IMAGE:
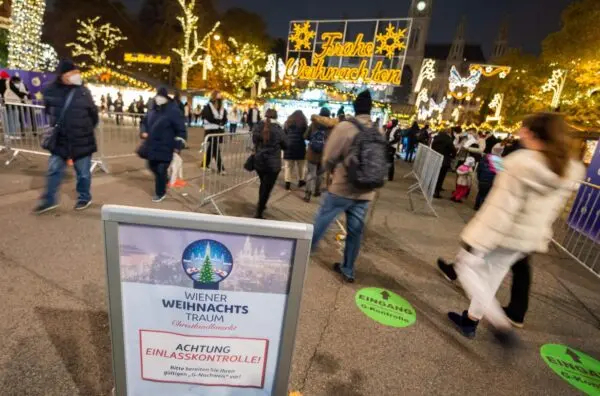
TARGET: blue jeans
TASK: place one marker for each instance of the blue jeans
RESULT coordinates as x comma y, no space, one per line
56,172
356,211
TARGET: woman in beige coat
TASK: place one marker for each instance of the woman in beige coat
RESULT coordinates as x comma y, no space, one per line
516,219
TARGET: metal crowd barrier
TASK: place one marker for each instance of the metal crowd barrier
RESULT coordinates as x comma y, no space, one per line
231,150
23,126
426,170
117,136
577,231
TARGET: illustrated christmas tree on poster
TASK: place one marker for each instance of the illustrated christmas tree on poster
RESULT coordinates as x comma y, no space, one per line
207,271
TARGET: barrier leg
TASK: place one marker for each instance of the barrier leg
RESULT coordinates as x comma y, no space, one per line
214,204
12,157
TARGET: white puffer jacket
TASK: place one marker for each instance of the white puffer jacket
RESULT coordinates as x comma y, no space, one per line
524,202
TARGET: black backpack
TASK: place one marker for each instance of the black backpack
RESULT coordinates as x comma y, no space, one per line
366,163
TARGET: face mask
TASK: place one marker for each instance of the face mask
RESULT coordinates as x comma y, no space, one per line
75,79
160,100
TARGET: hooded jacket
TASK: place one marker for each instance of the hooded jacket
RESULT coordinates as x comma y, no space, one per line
524,202
317,123
165,126
267,157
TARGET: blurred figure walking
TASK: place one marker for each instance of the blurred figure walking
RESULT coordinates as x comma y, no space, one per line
443,143
316,137
215,119
74,115
269,139
516,219
355,152
163,129
295,128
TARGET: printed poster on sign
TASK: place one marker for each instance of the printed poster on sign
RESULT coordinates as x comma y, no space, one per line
202,311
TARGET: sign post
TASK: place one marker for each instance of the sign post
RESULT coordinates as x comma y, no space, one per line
202,304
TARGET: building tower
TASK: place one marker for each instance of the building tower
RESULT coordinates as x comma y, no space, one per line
457,50
420,11
501,43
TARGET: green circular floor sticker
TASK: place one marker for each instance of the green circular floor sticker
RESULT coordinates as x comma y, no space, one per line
385,307
577,368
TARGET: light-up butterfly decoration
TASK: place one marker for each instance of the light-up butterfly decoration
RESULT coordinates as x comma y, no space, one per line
456,81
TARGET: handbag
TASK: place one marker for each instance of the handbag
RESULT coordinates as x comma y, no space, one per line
50,136
249,164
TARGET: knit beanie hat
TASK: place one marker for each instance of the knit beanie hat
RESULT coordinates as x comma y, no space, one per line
162,91
363,103
65,66
325,112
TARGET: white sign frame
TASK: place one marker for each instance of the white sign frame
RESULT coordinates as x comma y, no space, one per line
113,216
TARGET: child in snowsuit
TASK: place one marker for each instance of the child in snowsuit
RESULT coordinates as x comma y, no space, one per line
463,181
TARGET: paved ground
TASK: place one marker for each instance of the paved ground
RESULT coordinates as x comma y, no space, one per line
54,327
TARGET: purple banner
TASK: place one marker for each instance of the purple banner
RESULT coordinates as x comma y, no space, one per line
35,82
585,212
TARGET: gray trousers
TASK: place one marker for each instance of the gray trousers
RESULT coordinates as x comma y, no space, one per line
313,178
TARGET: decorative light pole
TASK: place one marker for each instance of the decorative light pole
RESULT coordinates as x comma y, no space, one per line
556,84
427,73
496,104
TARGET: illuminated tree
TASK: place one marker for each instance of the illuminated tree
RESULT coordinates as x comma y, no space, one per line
190,51
576,48
95,40
49,58
521,87
235,67
24,50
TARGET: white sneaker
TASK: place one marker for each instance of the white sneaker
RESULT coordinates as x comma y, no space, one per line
157,199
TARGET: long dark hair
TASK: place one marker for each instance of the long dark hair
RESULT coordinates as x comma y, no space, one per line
270,114
297,119
551,129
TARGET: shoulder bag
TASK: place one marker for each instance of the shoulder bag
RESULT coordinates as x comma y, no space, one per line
50,136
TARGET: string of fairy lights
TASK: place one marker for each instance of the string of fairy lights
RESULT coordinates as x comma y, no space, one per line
25,47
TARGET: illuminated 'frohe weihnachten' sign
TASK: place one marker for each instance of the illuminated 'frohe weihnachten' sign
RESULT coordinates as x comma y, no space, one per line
329,56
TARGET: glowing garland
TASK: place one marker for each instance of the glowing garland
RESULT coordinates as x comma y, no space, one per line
103,75
95,41
24,49
272,66
422,97
492,70
427,73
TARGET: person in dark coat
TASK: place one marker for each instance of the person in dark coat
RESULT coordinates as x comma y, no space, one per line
163,127
490,142
488,168
443,144
253,117
269,139
411,142
75,138
215,119
393,137
295,128
317,134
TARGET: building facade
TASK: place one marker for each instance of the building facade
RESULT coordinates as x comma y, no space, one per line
458,55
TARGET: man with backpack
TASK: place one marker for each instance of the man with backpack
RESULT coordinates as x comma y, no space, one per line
316,136
356,154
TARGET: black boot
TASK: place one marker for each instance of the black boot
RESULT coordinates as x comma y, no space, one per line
465,325
288,186
307,196
301,183
447,270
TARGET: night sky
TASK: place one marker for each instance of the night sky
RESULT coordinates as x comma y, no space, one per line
530,20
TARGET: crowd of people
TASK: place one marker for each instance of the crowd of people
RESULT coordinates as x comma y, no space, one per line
522,184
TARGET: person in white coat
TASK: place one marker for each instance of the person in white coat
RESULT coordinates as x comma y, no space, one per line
515,220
